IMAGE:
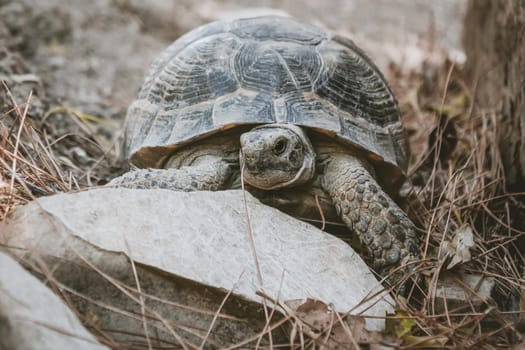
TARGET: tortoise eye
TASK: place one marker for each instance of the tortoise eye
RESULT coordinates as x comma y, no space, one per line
279,147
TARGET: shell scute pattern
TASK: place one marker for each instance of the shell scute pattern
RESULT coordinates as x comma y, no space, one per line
198,74
265,70
355,87
278,29
244,106
276,70
174,49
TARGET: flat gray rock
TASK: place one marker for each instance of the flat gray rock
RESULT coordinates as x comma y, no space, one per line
177,239
32,317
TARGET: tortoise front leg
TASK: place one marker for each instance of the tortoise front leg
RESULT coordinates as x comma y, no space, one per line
387,232
211,175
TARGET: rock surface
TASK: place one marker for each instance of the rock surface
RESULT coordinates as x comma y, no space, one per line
32,317
189,248
463,290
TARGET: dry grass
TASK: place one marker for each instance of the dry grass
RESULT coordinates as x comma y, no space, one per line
28,168
457,182
40,157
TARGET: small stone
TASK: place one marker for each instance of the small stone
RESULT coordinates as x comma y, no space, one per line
460,289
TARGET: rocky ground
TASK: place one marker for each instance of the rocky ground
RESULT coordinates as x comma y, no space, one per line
69,69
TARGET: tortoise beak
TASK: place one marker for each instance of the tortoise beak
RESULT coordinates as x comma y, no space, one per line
250,149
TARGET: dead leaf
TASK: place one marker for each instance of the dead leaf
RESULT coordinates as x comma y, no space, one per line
316,314
459,248
426,342
402,326
331,330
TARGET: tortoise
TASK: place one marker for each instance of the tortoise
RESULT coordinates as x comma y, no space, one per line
299,114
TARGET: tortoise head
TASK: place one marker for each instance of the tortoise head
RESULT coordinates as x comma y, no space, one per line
274,156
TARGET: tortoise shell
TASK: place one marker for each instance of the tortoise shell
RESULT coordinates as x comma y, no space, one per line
264,70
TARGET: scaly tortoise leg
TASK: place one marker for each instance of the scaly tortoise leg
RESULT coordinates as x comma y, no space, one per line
211,175
387,232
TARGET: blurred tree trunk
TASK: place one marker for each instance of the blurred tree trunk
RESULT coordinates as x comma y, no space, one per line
494,40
